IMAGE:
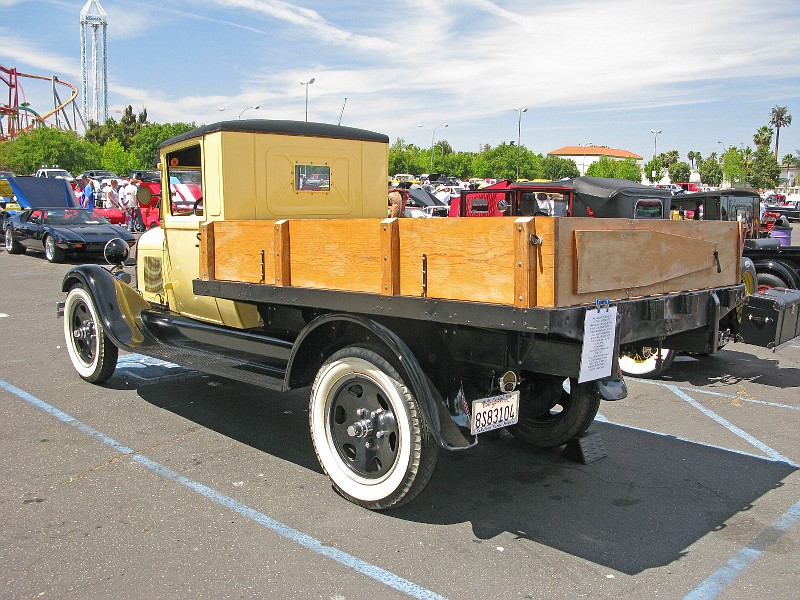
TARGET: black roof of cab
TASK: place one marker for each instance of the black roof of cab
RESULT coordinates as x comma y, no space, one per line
324,130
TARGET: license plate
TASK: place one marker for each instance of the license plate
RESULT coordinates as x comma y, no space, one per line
495,412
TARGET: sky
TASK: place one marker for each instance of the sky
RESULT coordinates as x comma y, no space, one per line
707,73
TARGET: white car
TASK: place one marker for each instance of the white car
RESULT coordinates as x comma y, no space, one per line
55,173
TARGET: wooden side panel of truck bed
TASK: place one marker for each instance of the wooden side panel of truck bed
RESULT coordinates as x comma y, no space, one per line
525,262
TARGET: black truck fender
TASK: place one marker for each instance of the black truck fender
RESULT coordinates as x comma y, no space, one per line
118,305
787,271
314,344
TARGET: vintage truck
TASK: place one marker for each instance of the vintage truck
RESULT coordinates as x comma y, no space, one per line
413,334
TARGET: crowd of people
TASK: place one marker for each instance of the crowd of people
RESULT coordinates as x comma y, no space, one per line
113,193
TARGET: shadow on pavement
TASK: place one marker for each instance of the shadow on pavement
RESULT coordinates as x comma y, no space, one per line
638,508
732,367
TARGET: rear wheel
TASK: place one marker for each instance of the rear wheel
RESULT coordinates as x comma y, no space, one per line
646,361
550,415
368,431
93,355
52,252
12,245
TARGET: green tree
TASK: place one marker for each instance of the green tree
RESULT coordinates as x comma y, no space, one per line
115,158
628,169
617,169
100,134
48,146
764,169
130,125
710,171
668,158
144,146
654,170
733,168
779,117
762,137
555,168
679,171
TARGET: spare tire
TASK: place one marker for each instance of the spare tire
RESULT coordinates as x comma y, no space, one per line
144,196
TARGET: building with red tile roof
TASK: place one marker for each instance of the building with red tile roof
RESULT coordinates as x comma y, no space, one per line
586,155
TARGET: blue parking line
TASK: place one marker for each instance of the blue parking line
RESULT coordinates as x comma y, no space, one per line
602,419
730,426
377,573
719,394
727,574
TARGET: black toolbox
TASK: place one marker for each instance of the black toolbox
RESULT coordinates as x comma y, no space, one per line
771,318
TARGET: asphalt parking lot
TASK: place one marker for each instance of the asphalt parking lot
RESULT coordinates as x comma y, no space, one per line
167,483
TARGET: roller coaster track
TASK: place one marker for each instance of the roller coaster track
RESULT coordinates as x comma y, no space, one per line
14,110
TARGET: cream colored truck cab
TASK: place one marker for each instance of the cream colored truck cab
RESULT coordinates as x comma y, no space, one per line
244,170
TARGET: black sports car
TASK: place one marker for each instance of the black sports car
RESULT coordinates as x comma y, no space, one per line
58,231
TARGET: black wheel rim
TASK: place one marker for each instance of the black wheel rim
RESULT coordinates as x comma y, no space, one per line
363,428
83,333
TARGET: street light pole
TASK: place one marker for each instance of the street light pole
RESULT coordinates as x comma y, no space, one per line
433,134
655,133
583,160
307,83
254,107
519,132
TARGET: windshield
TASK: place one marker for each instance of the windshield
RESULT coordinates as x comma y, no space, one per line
73,216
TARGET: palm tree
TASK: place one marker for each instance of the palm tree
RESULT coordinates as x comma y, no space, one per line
763,137
779,117
691,157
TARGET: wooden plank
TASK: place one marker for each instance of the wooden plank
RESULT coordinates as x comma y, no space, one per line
546,272
478,260
525,262
282,258
341,254
207,247
466,259
604,259
390,256
636,261
238,248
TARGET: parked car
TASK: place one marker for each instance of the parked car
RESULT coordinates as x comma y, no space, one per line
52,221
54,173
100,174
60,231
421,203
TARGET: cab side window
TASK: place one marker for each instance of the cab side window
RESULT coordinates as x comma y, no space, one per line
184,181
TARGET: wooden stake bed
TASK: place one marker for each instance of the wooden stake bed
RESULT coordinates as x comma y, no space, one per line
526,262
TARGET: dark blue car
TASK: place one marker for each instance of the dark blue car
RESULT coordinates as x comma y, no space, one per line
52,221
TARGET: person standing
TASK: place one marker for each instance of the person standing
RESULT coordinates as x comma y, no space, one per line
110,195
87,198
135,221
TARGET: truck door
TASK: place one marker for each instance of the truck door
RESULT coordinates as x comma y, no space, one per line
181,217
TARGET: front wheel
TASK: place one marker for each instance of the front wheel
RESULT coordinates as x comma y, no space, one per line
368,431
550,415
93,355
646,361
52,252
